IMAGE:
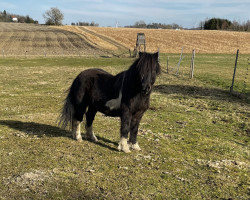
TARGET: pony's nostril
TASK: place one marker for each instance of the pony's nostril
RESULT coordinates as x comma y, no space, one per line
147,89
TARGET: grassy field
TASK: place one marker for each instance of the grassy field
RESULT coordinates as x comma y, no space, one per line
194,137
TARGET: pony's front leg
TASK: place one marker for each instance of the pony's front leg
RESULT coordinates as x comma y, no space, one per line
133,133
90,134
76,130
125,127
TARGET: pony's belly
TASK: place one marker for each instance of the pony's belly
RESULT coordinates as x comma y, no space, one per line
111,113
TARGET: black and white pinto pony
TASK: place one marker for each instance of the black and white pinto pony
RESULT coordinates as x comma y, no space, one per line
125,95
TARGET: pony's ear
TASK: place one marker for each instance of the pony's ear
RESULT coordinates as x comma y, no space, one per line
156,55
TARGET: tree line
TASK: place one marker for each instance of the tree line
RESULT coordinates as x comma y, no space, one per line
208,24
142,24
8,17
224,24
85,24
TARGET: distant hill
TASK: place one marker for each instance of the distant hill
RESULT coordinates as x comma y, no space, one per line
171,41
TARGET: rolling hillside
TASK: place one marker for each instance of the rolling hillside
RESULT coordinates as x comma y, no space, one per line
38,40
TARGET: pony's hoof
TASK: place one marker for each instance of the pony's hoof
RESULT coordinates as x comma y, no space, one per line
92,138
135,146
123,145
124,148
79,139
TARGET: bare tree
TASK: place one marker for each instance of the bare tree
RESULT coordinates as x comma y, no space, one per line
53,17
140,24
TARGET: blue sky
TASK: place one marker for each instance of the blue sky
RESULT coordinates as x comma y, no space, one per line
187,13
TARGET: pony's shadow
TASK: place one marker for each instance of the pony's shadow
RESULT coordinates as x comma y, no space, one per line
202,92
41,130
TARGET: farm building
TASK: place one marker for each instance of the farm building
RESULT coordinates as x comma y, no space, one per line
14,19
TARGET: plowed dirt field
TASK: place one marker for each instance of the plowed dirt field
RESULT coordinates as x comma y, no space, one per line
37,40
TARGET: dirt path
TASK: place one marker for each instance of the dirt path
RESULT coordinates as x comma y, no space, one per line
111,41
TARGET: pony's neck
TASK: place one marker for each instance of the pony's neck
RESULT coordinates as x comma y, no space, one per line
118,81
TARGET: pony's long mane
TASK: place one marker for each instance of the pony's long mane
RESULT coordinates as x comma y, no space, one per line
143,66
146,63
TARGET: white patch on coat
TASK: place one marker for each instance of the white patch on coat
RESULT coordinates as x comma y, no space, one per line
114,103
76,129
123,145
90,134
135,146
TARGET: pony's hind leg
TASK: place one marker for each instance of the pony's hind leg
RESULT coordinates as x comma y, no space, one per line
76,130
76,122
90,116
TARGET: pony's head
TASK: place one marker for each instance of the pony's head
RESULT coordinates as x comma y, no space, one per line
148,68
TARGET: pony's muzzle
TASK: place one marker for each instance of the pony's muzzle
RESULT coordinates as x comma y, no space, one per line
147,89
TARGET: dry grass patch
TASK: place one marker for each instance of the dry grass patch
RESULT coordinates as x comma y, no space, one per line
171,41
93,39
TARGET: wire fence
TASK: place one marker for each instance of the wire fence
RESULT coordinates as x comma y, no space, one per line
208,67
215,69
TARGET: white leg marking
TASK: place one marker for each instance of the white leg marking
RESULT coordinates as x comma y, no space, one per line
114,103
77,130
123,145
90,135
135,146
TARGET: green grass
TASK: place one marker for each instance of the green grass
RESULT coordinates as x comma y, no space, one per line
194,137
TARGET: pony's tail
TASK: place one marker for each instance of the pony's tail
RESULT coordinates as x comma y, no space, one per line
66,116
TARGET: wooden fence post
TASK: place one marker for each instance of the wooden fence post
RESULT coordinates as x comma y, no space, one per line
235,66
179,63
192,64
167,64
246,76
